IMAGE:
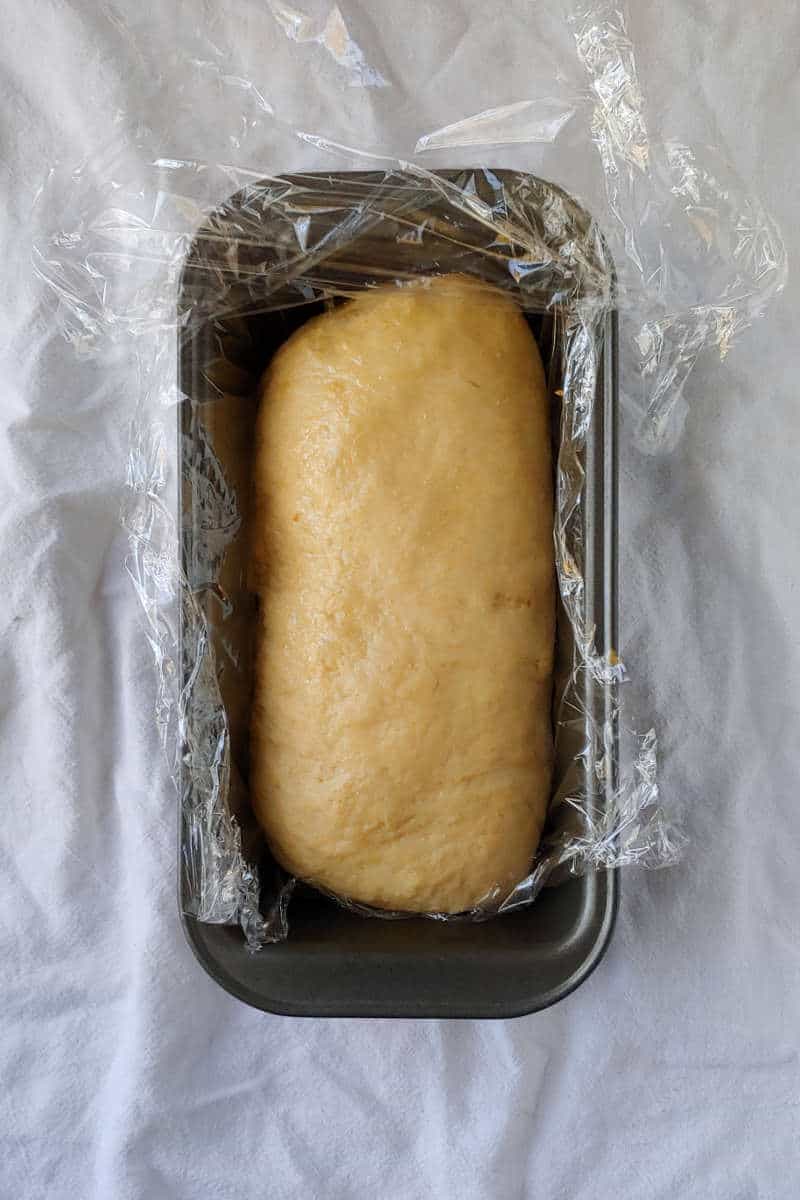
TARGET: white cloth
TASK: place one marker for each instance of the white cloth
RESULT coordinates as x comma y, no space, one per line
126,1073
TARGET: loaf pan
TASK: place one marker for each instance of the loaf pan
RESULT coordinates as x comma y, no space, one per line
336,962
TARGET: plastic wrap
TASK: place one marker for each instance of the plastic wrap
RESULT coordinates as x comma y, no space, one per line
152,253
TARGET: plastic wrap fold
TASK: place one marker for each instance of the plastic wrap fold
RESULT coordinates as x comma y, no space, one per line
174,260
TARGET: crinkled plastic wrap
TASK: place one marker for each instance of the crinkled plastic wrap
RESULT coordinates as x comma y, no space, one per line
559,197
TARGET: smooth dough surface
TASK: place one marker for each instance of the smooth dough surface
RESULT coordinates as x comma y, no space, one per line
401,729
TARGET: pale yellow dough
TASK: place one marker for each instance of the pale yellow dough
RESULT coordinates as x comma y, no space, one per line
401,730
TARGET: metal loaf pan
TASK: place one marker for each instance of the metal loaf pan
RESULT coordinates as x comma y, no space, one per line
336,962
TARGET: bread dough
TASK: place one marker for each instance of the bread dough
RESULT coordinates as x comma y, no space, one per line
401,729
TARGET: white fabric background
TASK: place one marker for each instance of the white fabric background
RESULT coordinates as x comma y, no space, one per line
126,1073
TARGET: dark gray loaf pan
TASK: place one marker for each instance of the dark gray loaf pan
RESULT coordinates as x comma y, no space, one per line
336,962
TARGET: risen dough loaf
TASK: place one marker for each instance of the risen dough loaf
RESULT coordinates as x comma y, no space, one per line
401,737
